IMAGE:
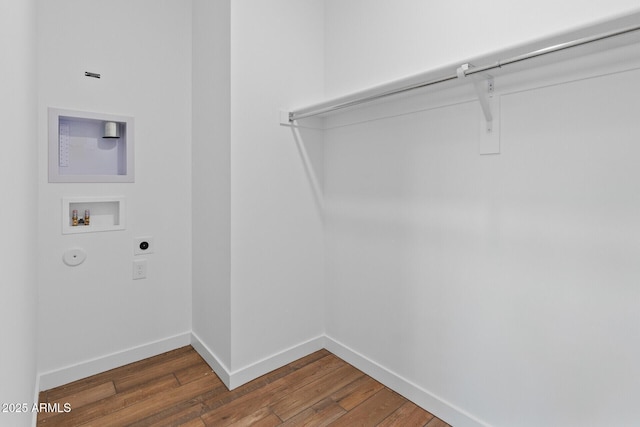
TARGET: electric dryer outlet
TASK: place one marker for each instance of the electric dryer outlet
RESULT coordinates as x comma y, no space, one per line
143,245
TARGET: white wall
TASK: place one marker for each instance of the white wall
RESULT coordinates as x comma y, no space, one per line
368,43
258,258
276,223
211,177
502,286
18,171
143,51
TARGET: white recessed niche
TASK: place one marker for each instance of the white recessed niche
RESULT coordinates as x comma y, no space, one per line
90,147
104,214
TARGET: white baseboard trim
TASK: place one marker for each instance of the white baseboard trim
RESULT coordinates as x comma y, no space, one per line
85,369
268,364
421,397
234,379
36,399
212,360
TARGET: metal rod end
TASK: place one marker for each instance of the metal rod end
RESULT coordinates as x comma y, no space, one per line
90,74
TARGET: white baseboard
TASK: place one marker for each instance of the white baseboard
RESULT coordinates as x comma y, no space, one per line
36,399
233,379
85,369
421,397
212,360
268,364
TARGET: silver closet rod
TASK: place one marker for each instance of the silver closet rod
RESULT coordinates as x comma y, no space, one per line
309,112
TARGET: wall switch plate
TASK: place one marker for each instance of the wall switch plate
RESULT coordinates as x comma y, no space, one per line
139,269
143,245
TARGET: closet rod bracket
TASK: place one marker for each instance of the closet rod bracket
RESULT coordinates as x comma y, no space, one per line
286,118
485,90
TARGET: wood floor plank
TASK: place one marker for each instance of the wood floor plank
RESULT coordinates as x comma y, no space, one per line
250,387
372,411
113,374
274,376
321,414
80,399
42,396
437,422
244,406
316,355
143,375
184,410
197,422
110,404
306,396
193,372
270,421
229,412
147,407
408,415
262,416
176,415
357,392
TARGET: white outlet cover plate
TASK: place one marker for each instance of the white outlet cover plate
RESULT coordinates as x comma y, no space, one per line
139,269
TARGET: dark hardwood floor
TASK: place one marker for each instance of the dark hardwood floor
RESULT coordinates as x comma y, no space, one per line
179,389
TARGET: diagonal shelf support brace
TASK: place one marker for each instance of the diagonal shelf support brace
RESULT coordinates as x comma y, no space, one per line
484,89
490,104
